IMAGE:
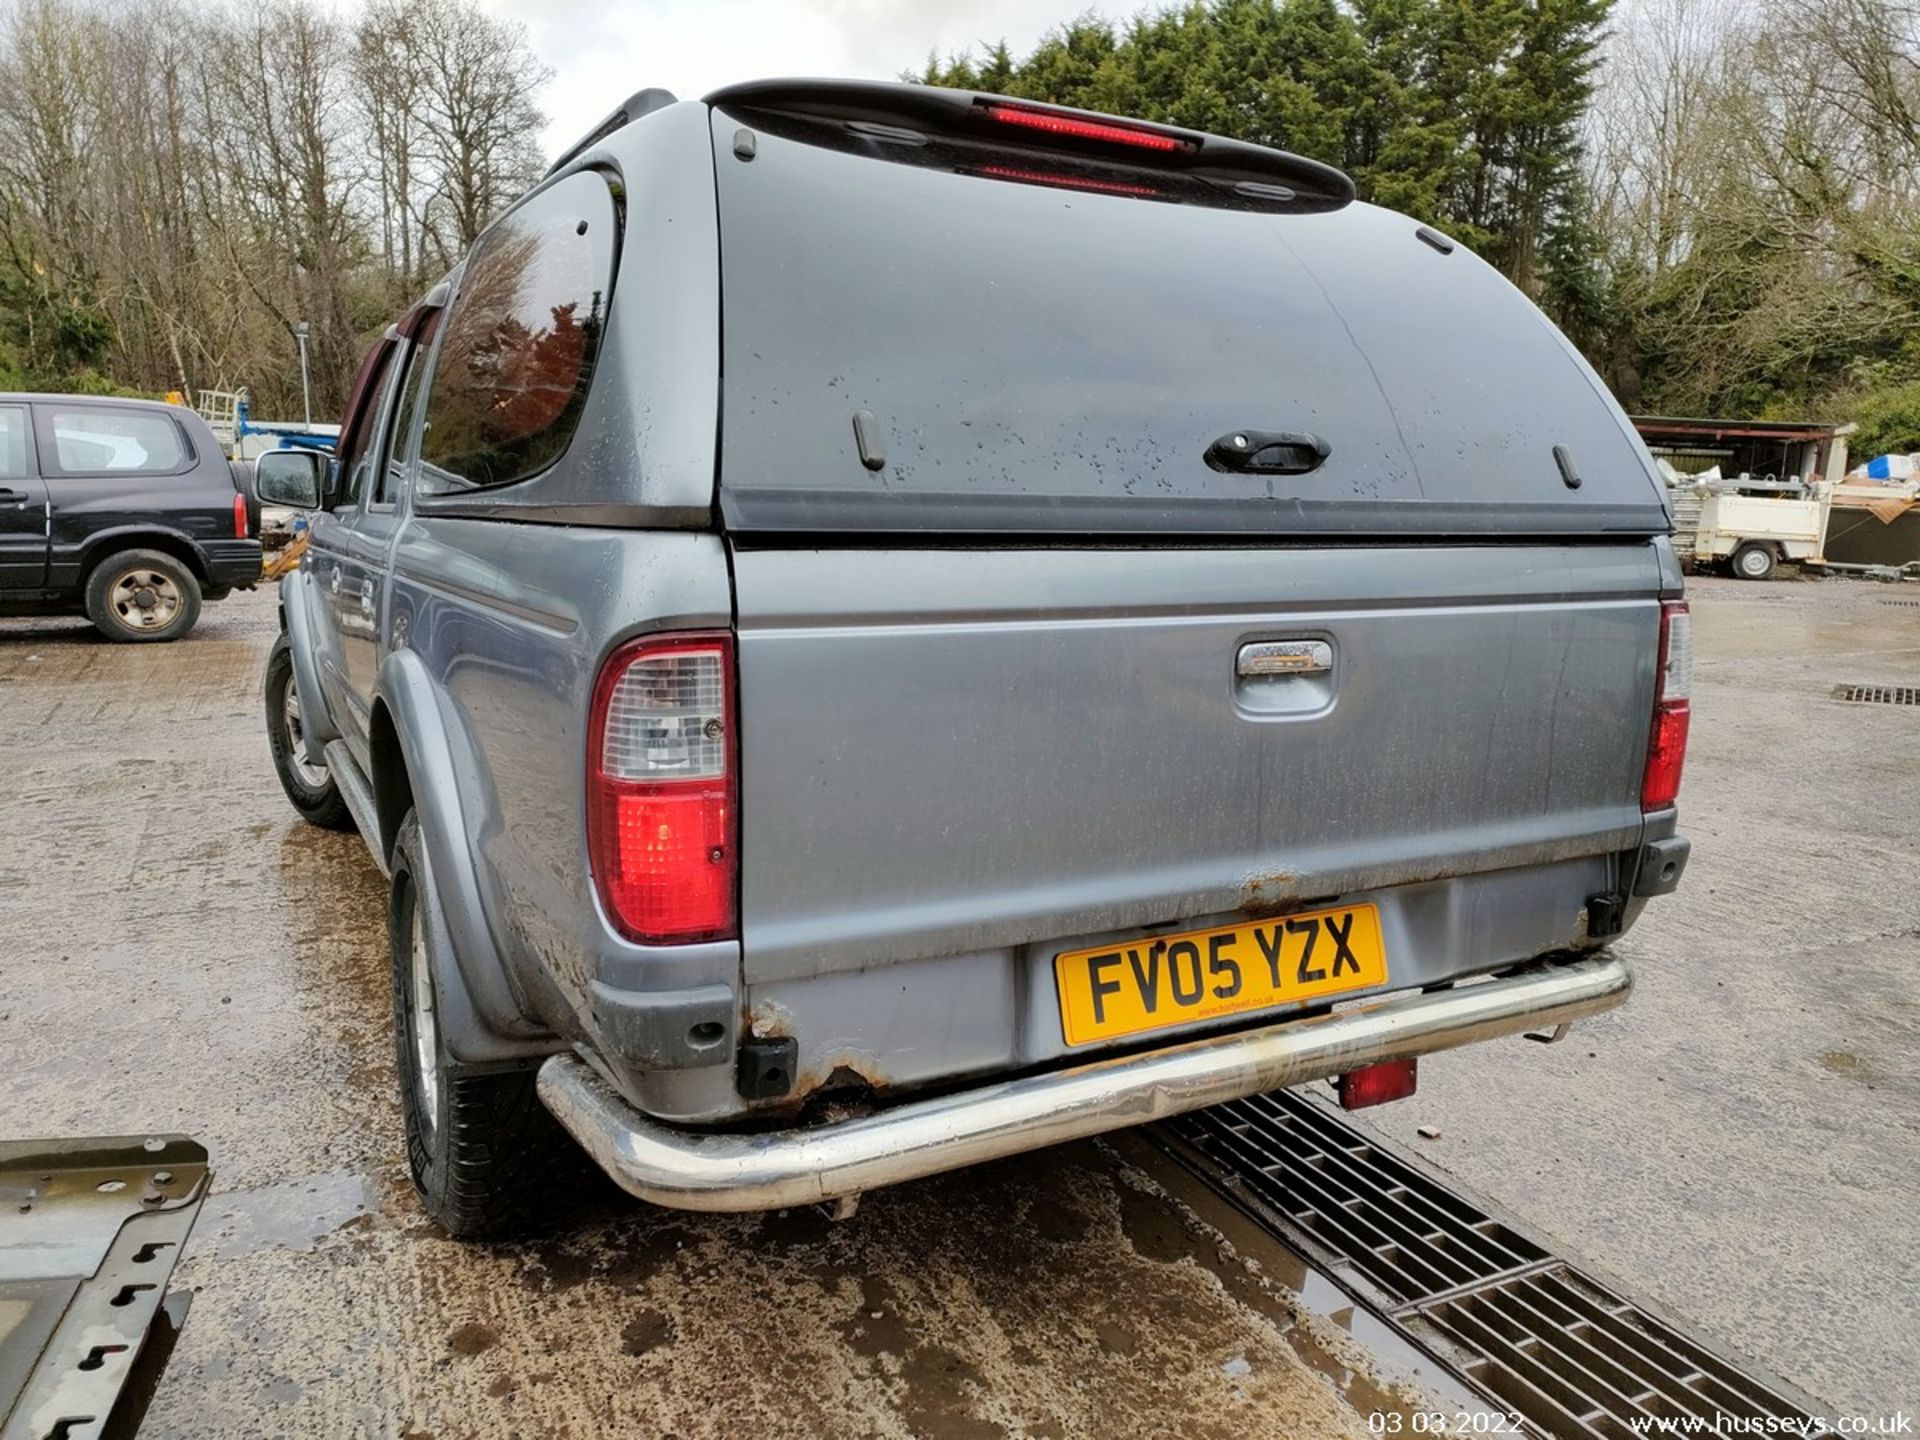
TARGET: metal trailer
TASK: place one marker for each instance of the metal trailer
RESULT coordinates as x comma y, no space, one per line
1753,533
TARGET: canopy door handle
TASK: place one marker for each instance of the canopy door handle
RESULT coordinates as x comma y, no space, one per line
1269,452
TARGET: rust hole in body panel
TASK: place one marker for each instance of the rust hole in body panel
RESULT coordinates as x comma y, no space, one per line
844,1093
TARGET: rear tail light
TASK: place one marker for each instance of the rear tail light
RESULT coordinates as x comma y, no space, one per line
661,813
1672,709
1377,1084
1065,125
239,517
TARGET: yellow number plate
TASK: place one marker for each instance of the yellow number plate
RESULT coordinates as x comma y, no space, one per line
1138,985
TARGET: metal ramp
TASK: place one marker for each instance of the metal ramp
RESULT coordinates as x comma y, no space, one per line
1538,1336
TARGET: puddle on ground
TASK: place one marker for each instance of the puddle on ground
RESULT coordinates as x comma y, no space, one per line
289,1215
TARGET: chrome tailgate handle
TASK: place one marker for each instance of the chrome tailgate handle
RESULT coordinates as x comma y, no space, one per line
1285,657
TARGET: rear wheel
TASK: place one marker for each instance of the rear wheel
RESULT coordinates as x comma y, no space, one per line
486,1155
1754,562
142,595
309,786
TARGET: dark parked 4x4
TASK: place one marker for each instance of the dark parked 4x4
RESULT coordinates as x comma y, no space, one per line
124,508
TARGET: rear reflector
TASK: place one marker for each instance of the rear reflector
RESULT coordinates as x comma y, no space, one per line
1377,1084
1075,127
661,815
1672,710
239,517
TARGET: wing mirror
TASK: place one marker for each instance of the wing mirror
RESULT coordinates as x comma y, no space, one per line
293,478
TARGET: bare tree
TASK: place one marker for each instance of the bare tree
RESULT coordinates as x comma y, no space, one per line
178,187
478,118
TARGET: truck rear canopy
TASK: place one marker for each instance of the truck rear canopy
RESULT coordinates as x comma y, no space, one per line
925,332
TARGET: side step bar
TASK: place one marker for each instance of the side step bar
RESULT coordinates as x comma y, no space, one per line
714,1170
358,793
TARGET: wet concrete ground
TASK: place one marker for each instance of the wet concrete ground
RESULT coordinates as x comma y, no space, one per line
1741,1142
1738,1144
179,953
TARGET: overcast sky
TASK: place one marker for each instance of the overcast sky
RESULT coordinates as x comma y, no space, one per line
601,53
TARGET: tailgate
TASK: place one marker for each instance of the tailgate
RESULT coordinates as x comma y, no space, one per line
946,751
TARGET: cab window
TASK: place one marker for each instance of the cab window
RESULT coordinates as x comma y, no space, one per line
357,459
400,446
13,443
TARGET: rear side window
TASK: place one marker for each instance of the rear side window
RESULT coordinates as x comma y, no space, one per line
96,440
516,362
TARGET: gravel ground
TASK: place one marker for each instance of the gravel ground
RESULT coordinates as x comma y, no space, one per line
1740,1141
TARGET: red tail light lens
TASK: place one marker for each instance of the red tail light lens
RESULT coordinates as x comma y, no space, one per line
1672,709
1075,127
1377,1084
239,517
661,810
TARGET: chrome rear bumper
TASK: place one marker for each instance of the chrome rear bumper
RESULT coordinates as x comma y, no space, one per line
712,1170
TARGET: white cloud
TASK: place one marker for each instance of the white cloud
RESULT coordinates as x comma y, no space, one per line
601,54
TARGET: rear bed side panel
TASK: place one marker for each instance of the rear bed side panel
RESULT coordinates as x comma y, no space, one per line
514,622
957,751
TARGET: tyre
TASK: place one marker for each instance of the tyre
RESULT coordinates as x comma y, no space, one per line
1754,562
487,1157
308,786
141,596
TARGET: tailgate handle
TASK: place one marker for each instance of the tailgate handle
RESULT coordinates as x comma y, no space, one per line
1286,657
1268,452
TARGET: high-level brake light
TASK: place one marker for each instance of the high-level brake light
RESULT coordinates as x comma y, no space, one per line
662,825
1075,127
1069,182
1672,709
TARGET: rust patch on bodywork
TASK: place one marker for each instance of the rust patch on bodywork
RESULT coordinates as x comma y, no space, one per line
1271,893
769,1020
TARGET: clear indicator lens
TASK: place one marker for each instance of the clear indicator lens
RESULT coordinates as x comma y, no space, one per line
1676,681
666,719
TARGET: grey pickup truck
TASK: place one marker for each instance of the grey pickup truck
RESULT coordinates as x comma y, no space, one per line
874,628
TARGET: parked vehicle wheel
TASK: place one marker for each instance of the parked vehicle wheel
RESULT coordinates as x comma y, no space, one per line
142,595
308,786
485,1153
1754,562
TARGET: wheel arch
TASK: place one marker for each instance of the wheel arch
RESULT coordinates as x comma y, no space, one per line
103,547
410,756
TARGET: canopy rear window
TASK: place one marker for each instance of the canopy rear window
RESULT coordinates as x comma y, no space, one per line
932,334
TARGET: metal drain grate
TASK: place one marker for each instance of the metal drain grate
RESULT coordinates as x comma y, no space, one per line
1878,694
1576,1359
1374,1216
1565,1352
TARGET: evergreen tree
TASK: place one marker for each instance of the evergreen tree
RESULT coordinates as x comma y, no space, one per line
1464,113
